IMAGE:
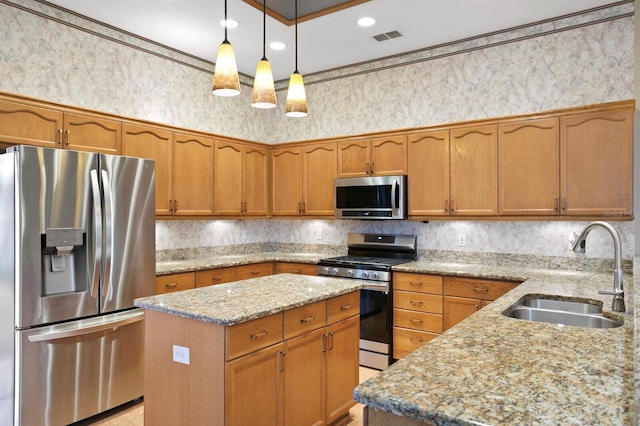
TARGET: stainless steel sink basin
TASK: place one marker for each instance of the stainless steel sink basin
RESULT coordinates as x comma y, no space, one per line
563,305
566,312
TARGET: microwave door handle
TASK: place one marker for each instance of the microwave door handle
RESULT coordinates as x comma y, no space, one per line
97,243
394,204
108,224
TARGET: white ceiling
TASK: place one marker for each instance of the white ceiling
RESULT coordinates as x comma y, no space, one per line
330,41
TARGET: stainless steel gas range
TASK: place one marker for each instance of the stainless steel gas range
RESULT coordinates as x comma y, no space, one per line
370,258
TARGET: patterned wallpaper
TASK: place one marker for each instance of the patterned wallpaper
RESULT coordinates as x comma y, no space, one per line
582,59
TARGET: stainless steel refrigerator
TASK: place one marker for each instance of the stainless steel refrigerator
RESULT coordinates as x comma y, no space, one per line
77,246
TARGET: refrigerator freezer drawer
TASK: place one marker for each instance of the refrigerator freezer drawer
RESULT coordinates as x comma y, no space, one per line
72,371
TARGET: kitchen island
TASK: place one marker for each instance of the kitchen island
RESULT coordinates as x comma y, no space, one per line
491,369
277,349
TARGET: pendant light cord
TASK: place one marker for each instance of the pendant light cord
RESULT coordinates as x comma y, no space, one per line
296,9
264,30
226,23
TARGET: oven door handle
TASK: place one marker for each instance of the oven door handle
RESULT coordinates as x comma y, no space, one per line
376,286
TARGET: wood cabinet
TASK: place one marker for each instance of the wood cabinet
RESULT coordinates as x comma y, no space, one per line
428,174
154,143
254,270
295,268
216,276
303,180
596,163
53,128
474,171
529,153
192,175
175,282
417,311
369,157
465,296
240,179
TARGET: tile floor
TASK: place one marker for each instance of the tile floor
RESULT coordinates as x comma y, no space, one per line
133,414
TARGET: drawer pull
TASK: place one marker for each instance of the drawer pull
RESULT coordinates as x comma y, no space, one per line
415,321
415,283
296,271
481,290
255,272
218,278
416,339
259,335
171,285
416,302
308,319
345,307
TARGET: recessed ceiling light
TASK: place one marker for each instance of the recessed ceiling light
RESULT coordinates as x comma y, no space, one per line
366,21
231,23
277,45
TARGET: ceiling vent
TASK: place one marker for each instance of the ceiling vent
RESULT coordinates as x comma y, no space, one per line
387,36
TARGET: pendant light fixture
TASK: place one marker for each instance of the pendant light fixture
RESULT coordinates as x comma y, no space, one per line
225,77
296,105
264,91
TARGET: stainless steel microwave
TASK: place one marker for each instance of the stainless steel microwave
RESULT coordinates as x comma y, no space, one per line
375,197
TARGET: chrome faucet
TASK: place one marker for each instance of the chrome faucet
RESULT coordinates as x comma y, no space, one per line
618,292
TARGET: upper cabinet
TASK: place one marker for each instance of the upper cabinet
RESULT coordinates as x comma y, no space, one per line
303,180
428,177
192,175
529,153
32,125
596,163
371,157
241,176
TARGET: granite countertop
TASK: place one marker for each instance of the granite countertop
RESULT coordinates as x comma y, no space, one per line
241,301
187,265
491,369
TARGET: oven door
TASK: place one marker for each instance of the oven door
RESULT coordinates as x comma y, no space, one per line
375,326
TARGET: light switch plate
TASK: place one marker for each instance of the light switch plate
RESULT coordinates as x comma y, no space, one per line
181,354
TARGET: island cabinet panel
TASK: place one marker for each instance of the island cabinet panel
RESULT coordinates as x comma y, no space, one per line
253,335
153,143
306,318
342,307
175,282
254,270
215,276
529,171
192,175
474,171
295,268
428,173
596,163
177,393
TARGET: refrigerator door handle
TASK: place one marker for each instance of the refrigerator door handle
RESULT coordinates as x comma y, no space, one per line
136,316
97,220
108,224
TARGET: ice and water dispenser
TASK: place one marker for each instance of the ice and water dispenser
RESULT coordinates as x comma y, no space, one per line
64,260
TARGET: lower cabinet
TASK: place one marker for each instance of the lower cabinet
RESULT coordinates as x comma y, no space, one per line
254,270
175,282
296,268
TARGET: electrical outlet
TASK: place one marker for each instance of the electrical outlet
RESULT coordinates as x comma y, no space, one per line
319,234
573,237
181,355
243,232
462,239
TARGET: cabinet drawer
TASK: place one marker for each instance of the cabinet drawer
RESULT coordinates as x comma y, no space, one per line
215,276
475,288
306,318
253,271
406,341
417,301
296,268
417,282
253,335
417,320
341,307
175,282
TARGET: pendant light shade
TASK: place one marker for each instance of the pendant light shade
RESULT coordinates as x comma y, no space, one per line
296,105
264,91
225,76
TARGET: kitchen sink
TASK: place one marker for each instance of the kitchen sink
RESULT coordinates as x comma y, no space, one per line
566,312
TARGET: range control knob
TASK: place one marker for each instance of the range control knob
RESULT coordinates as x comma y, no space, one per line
325,270
349,273
334,271
375,275
365,274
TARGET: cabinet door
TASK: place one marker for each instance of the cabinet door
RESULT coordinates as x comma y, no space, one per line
474,171
342,357
254,181
175,282
215,276
192,175
287,181
255,270
389,156
428,177
253,388
458,308
30,125
228,178
320,170
529,154
304,378
87,133
597,163
153,143
353,158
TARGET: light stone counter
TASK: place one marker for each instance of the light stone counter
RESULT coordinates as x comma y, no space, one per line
491,369
241,301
